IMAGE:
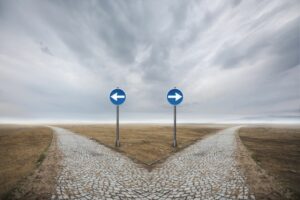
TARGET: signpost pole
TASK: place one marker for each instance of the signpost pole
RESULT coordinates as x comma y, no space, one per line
174,129
174,97
117,128
117,97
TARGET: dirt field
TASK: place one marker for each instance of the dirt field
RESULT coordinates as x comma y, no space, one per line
277,151
146,144
22,149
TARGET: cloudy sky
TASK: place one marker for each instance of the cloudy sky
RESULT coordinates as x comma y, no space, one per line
232,59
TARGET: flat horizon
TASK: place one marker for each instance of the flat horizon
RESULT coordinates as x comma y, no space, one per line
295,121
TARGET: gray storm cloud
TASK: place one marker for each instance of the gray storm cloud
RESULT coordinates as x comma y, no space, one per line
232,59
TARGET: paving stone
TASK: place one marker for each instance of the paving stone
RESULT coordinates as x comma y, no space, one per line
205,170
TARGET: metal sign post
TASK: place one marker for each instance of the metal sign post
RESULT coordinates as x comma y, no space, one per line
174,97
117,97
117,143
174,129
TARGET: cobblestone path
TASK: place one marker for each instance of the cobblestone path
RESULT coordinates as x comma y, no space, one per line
206,170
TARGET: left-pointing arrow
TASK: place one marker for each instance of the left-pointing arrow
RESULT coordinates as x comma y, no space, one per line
115,96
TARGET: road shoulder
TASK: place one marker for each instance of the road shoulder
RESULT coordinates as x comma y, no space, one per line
41,183
263,185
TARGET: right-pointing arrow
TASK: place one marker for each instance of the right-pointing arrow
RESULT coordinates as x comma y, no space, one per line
176,96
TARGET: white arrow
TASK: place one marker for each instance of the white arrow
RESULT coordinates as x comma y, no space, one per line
176,96
115,96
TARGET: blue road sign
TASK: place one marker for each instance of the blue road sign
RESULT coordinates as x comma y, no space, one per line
117,96
175,97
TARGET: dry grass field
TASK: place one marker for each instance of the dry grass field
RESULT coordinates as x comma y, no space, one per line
277,151
22,149
146,144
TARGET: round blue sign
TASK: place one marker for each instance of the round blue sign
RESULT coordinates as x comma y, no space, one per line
117,96
175,97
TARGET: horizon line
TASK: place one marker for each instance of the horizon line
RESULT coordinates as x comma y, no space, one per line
245,121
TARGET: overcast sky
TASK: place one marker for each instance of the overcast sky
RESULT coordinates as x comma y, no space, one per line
232,59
